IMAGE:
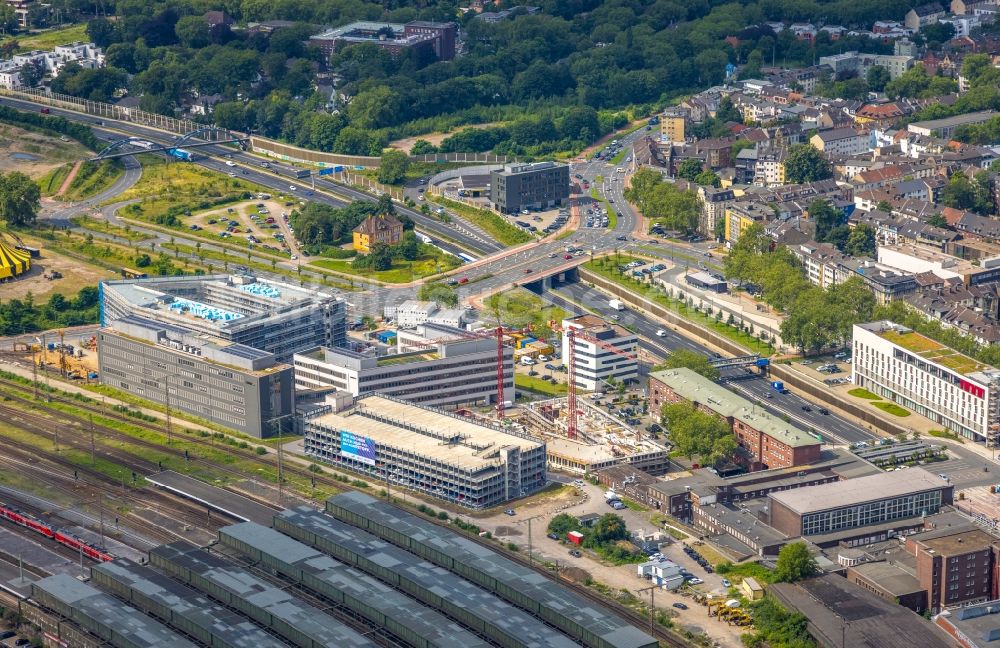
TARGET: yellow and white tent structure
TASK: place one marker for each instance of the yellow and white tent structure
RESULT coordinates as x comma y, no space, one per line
13,262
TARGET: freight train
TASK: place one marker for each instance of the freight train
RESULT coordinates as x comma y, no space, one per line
62,537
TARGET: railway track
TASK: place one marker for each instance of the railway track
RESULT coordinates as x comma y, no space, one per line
667,638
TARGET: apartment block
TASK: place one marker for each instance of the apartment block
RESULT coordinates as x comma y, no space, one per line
594,361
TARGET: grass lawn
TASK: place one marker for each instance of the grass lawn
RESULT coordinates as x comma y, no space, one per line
944,434
860,392
891,408
754,570
52,181
430,262
619,156
49,38
98,225
170,188
92,179
568,233
607,267
493,224
539,386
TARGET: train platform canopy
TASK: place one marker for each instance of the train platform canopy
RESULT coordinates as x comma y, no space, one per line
217,499
103,614
13,262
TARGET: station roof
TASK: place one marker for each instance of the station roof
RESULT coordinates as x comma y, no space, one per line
109,613
536,587
184,602
422,620
438,580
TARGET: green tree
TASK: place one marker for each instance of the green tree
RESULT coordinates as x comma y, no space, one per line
393,166
826,218
708,178
663,202
741,261
20,199
697,362
884,206
794,563
806,164
937,220
697,433
408,247
877,78
609,528
689,169
422,147
563,524
438,292
192,31
861,241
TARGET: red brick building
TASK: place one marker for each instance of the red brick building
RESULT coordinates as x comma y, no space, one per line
956,566
765,441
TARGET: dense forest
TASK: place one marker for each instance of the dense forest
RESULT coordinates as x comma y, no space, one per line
553,80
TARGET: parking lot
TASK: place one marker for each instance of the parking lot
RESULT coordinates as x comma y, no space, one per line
262,223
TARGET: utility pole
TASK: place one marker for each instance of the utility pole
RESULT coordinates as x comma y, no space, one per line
530,557
34,372
166,402
652,610
93,446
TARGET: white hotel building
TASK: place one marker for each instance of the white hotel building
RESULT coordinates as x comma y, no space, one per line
595,363
935,381
434,365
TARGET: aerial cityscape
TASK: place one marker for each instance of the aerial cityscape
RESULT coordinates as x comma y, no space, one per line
458,325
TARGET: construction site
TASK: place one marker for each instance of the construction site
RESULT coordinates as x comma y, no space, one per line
71,357
600,439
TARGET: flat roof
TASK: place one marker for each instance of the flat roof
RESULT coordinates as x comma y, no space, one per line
187,603
432,433
742,517
109,613
925,347
449,586
893,577
980,622
422,620
694,387
812,499
961,542
480,559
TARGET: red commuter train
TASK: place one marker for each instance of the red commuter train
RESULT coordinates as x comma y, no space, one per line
63,538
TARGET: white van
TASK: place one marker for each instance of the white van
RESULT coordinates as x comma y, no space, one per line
527,361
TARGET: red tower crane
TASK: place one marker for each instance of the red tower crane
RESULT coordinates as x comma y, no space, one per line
573,335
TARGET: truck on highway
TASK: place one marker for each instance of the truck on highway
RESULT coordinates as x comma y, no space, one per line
779,387
180,154
616,304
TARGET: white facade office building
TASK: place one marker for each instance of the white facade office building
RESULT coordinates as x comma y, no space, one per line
935,381
434,365
594,363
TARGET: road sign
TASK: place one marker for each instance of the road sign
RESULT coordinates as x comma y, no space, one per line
326,171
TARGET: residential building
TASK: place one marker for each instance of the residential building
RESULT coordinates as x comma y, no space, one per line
433,365
234,385
672,125
916,259
890,497
840,141
529,186
382,229
86,55
955,566
471,464
855,63
765,441
602,352
923,15
935,381
741,215
945,128
433,39
271,316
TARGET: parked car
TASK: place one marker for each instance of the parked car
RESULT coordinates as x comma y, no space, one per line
509,512
552,536
680,606
576,553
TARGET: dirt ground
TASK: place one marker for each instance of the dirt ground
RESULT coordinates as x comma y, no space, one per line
76,275
407,143
35,154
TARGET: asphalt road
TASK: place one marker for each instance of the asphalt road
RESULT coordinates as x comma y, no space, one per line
830,426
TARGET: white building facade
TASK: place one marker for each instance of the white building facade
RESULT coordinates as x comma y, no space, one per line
434,366
934,381
594,362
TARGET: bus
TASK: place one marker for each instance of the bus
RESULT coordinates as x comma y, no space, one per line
465,257
129,273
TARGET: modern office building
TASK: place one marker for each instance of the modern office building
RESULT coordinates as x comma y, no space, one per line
953,390
445,369
237,386
866,501
602,351
271,316
529,186
432,38
766,441
472,464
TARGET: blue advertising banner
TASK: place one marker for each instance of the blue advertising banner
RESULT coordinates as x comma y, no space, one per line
357,447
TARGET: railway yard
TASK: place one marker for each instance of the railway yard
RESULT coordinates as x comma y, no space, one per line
124,502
